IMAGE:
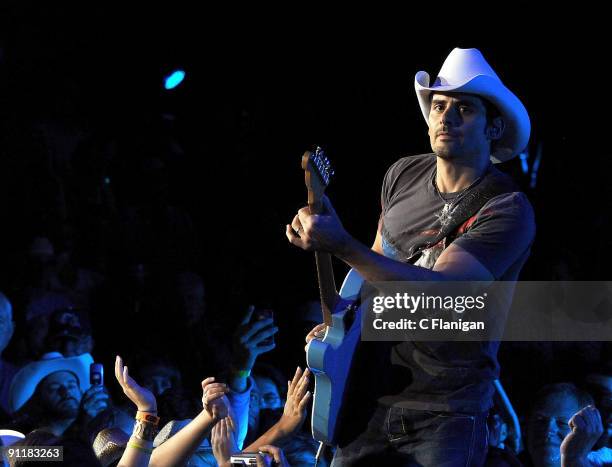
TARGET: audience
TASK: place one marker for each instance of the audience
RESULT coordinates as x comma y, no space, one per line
117,267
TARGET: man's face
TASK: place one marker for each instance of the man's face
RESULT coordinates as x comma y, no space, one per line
457,126
61,394
547,427
157,379
254,406
269,395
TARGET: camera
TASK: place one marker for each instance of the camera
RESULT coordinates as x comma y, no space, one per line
261,314
250,458
96,374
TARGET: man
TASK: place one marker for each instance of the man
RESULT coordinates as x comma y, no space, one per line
551,432
431,398
54,394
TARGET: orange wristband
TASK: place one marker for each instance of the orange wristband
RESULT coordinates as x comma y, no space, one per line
147,418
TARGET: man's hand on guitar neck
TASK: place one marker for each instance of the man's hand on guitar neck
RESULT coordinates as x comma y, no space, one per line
318,232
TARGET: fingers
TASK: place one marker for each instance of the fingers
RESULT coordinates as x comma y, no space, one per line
230,423
296,225
215,433
126,376
294,381
262,333
305,217
317,332
587,421
214,391
302,385
294,239
265,348
207,381
119,369
215,396
304,402
94,393
255,328
223,429
247,317
275,452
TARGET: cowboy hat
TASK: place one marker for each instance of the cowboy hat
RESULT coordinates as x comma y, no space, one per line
466,71
8,437
26,380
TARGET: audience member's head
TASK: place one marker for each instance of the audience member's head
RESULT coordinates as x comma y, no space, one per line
69,333
548,419
267,397
50,389
158,375
191,296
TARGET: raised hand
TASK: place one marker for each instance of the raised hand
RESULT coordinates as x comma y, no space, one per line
94,401
214,400
223,440
248,338
586,428
294,412
141,397
277,454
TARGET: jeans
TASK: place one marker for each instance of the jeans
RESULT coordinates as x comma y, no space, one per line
405,437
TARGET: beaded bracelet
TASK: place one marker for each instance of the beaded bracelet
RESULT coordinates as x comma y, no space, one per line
242,373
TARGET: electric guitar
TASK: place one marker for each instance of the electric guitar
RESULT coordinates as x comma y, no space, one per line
330,358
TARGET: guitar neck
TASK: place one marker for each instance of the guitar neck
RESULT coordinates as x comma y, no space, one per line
325,276
327,285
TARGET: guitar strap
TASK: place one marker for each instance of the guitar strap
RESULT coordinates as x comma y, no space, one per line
494,184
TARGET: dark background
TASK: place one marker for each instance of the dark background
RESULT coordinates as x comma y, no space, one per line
258,92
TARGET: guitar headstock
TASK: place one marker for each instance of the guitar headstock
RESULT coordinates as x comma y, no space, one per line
318,172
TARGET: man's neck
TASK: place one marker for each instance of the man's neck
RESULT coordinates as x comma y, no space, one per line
453,175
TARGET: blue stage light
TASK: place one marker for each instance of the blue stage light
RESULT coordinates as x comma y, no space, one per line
174,79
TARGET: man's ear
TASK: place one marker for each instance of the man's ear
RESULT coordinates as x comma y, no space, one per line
496,128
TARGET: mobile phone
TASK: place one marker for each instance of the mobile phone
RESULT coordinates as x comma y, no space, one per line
96,374
264,313
249,458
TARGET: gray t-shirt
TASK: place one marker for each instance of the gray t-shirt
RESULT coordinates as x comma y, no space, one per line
447,376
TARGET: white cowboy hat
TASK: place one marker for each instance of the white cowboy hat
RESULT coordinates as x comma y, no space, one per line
25,381
466,71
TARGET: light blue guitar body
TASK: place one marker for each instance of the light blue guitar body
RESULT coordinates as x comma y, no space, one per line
330,359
